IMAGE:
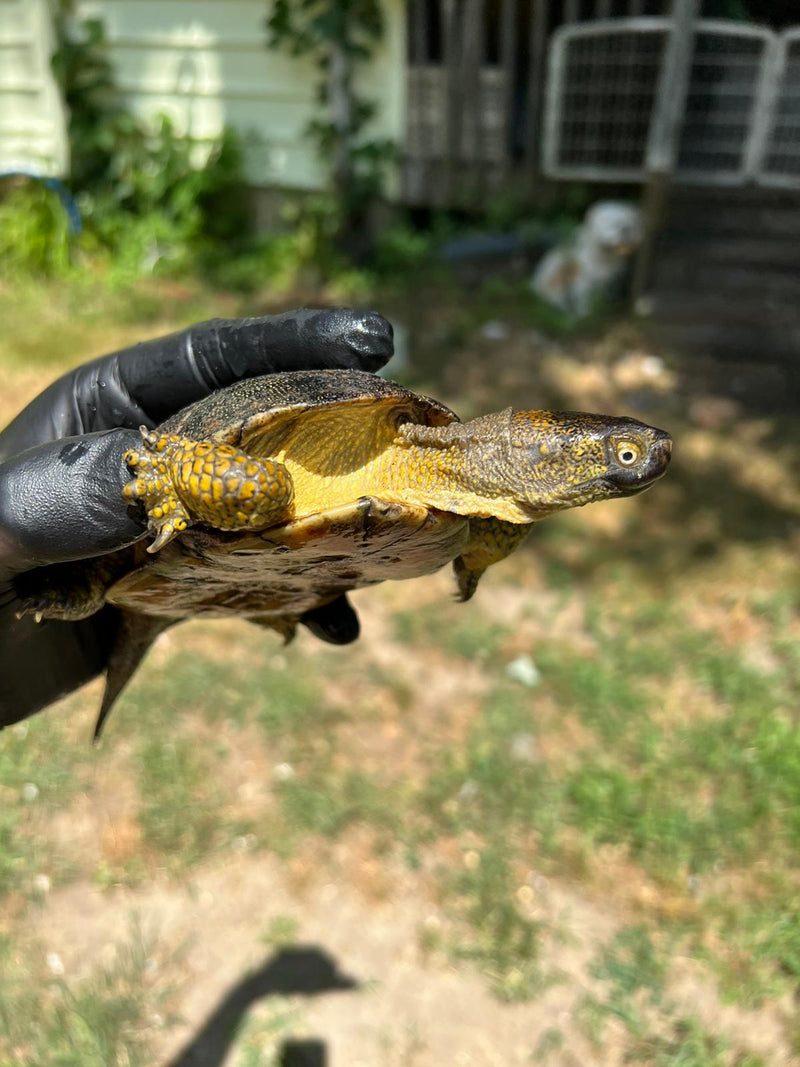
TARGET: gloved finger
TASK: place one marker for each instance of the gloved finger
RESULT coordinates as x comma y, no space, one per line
144,384
62,501
336,623
41,662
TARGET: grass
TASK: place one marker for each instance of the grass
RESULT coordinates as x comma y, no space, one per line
181,800
41,768
653,767
465,638
103,1019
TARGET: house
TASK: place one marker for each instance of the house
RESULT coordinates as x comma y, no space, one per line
691,103
205,63
479,95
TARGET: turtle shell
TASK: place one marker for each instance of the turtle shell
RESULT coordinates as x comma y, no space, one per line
275,575
255,409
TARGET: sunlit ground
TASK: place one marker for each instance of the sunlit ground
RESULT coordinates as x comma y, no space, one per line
558,824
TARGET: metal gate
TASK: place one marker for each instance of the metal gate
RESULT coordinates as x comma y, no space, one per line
741,118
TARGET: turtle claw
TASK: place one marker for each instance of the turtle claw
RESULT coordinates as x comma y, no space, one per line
467,579
31,606
151,486
165,535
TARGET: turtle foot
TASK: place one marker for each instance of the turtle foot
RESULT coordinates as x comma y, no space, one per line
67,592
152,486
490,541
180,482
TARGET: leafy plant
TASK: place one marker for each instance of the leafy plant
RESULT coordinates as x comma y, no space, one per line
34,231
142,195
337,35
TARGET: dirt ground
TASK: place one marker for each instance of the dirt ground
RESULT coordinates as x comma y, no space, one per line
363,979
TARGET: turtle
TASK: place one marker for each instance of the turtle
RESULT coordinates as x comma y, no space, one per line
272,497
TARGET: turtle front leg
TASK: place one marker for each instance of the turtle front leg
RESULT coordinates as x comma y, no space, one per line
490,540
181,482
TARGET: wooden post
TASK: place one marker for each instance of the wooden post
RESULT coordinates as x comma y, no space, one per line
451,62
508,63
535,87
663,140
473,51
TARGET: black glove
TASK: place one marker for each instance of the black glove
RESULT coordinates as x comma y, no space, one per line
61,473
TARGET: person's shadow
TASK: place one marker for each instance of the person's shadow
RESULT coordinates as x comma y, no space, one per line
304,970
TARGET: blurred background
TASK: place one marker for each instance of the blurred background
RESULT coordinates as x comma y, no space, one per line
559,824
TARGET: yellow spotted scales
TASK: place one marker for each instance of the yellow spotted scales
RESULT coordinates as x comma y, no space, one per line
181,482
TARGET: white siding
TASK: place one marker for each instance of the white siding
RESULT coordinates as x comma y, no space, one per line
205,63
32,122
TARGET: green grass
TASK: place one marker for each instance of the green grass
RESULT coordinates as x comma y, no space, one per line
502,942
40,771
284,700
182,808
633,973
454,629
325,802
693,786
687,1044
103,1020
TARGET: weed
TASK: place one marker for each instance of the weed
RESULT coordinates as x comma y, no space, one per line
181,809
634,977
103,1019
468,638
281,932
502,942
39,771
325,802
34,233
687,1044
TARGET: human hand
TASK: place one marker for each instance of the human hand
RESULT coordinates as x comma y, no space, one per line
62,473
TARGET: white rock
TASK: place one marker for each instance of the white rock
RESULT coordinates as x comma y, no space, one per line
283,772
523,748
524,670
494,330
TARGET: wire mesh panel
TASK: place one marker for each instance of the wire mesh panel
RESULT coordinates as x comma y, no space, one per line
727,78
602,84
601,87
781,153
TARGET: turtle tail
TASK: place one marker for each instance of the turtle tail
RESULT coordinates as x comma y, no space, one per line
135,635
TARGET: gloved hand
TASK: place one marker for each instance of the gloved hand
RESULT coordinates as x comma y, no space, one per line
61,473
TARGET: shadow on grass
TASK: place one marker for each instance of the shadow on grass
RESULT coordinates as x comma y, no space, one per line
304,971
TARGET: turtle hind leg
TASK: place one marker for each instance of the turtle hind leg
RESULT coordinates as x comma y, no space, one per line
490,540
135,635
69,592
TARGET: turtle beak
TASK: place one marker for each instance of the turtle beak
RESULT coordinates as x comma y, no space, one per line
653,466
658,456
626,478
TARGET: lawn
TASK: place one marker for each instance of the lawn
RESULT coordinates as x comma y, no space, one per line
556,825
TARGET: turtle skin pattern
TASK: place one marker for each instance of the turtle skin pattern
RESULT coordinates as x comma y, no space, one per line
180,482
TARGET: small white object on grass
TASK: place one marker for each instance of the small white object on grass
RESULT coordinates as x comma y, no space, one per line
524,670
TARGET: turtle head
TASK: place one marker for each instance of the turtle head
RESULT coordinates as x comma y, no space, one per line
566,459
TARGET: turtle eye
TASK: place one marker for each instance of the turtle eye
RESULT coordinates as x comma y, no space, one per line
628,452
